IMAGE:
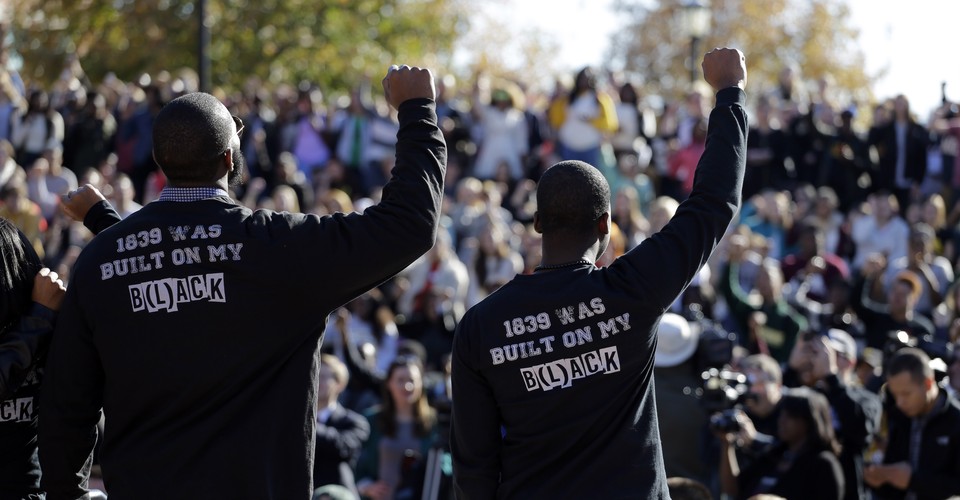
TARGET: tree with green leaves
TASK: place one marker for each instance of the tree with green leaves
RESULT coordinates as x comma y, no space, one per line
334,43
812,35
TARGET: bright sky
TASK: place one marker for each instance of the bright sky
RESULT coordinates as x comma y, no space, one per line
916,41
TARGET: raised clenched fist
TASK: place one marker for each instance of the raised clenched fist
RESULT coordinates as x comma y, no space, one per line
725,67
78,202
404,83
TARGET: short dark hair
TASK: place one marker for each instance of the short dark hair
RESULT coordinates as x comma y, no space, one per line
189,135
910,360
571,196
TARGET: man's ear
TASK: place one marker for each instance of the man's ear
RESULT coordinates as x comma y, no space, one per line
536,223
229,159
603,223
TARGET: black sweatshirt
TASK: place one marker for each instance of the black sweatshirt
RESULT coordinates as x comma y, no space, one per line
196,327
22,347
552,374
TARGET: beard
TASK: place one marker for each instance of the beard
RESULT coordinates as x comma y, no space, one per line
239,168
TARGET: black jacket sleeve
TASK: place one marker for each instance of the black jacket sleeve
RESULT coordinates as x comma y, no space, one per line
100,216
343,437
683,246
372,247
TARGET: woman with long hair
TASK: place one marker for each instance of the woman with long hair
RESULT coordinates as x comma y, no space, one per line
583,119
803,464
402,430
30,295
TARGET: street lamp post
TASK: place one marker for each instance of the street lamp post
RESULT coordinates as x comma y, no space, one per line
694,23
203,49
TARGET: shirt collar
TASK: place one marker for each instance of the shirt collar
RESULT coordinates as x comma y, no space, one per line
187,194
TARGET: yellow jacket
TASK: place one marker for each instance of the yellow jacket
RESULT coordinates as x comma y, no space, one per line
28,219
606,121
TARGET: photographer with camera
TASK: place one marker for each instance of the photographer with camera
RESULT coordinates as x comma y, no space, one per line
765,380
749,406
825,362
806,449
922,457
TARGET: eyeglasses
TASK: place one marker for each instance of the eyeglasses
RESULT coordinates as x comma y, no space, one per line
239,123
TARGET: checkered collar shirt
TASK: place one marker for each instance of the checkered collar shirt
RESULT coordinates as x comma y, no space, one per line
191,194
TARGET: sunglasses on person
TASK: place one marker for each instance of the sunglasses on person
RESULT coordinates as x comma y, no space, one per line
239,123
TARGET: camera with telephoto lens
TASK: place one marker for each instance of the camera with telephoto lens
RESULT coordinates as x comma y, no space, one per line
725,421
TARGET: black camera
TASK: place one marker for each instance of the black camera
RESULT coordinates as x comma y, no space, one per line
722,390
725,421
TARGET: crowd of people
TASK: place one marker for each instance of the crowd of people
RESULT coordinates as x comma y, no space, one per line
835,285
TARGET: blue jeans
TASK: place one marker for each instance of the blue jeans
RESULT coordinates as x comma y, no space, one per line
591,156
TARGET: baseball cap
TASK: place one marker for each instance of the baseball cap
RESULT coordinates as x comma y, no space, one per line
872,356
676,341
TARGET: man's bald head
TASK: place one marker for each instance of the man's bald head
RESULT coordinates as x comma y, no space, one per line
571,197
190,135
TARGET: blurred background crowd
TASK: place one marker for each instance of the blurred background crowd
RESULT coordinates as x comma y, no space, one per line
843,258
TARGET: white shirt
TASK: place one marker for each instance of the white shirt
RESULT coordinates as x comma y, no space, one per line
577,132
889,239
